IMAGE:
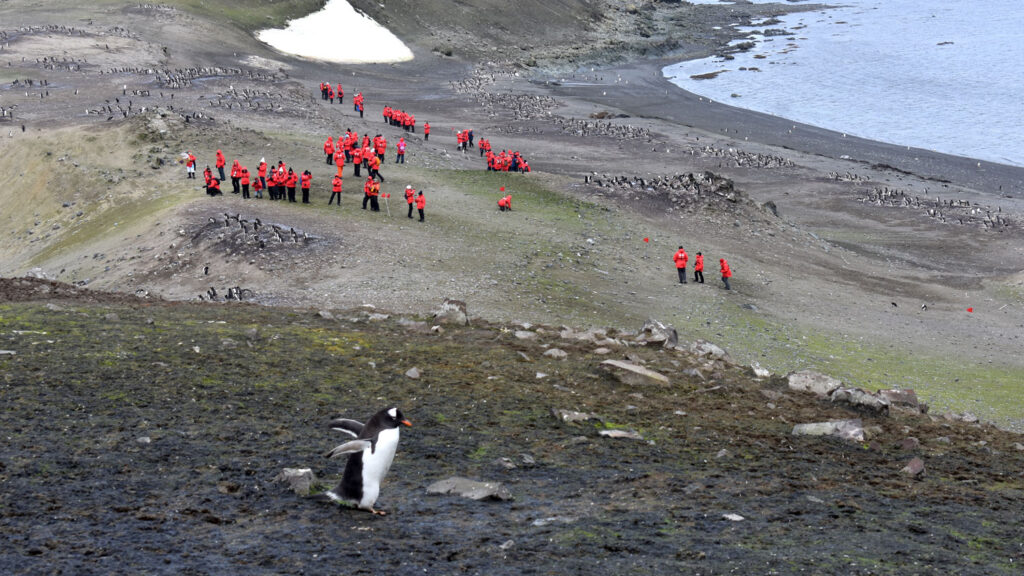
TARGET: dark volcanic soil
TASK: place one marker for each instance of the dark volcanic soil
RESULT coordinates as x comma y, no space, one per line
143,437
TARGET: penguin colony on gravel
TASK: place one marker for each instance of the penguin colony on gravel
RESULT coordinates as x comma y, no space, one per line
371,454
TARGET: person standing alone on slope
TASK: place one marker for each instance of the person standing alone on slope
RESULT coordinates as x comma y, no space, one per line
680,259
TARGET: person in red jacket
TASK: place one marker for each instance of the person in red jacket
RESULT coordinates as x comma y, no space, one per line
290,182
357,158
236,177
409,197
426,131
214,188
680,260
244,179
341,94
335,190
329,150
257,187
305,182
726,272
698,268
221,162
190,166
505,203
421,203
261,172
375,168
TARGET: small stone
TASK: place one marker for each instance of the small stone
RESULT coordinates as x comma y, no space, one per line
507,545
525,335
914,468
413,373
723,453
733,517
325,315
572,415
556,353
1018,446
299,480
602,351
541,375
143,440
910,443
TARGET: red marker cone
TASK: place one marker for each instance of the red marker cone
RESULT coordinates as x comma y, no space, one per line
970,309
647,239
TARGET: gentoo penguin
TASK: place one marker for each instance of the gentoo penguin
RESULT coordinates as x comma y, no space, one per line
370,457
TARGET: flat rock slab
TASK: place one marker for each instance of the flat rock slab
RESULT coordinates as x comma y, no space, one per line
471,489
619,433
847,429
629,373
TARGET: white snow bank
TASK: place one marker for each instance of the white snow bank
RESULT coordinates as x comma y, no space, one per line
337,34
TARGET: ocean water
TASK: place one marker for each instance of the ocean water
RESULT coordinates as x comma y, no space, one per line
941,75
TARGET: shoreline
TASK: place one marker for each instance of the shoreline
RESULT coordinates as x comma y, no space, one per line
648,94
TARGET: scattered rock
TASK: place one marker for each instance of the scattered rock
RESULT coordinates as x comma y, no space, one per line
914,468
377,317
602,351
733,517
629,373
723,453
325,315
143,439
452,312
556,353
525,335
413,373
299,480
809,381
1018,446
471,489
861,400
553,520
847,429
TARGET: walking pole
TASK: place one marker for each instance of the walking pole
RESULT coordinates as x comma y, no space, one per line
387,204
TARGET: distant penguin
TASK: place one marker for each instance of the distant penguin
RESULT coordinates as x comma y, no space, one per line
371,454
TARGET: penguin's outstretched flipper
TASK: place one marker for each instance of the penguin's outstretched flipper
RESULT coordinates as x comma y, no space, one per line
347,426
349,448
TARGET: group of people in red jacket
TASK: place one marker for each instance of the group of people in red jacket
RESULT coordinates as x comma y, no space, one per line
280,181
681,258
327,92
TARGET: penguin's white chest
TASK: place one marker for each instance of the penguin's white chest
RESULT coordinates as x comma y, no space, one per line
376,463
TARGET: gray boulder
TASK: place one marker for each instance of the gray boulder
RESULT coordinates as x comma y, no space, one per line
815,382
452,312
705,349
655,332
861,400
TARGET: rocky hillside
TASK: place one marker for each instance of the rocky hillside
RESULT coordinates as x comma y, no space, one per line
146,436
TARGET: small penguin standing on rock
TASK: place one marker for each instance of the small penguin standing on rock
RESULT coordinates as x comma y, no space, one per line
371,454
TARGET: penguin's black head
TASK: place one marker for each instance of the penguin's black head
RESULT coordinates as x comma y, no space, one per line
394,417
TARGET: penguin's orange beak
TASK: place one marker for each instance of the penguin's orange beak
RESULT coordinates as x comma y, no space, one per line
407,423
